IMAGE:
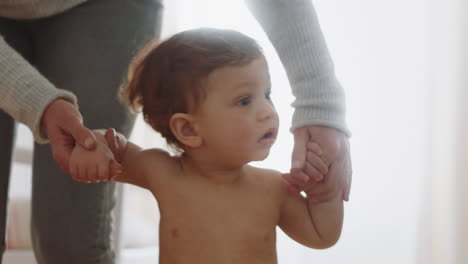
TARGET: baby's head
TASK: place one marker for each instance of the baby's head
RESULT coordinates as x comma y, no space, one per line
167,78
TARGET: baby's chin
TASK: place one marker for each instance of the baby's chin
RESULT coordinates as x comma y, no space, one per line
262,156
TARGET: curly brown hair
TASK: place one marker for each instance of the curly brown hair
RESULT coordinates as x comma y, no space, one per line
165,78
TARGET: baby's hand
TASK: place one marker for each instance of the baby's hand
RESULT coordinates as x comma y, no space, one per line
117,143
300,181
96,165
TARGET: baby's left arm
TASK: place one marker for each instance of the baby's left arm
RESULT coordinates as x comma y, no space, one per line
316,225
96,165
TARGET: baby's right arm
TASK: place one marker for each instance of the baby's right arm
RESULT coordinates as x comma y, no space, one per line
134,161
139,167
127,154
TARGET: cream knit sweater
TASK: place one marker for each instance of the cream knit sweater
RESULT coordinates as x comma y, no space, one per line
291,26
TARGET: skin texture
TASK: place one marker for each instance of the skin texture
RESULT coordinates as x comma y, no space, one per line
63,125
214,207
332,146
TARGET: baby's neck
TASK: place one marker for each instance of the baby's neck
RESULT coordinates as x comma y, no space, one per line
214,172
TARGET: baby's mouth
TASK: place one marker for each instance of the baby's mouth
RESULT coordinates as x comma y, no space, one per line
269,137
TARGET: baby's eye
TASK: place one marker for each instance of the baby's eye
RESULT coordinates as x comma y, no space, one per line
267,95
244,101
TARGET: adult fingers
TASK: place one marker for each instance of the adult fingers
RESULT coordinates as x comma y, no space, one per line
298,157
347,190
348,180
82,135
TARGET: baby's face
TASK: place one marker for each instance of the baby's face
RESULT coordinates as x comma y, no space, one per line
237,117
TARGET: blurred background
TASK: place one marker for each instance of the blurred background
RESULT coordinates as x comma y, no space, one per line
402,64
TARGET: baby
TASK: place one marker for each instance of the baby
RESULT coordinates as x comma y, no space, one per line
207,91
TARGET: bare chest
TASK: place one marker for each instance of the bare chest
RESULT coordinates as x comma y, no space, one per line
220,224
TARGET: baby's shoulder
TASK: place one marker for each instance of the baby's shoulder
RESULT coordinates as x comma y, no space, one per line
157,159
268,184
262,172
159,168
155,153
266,177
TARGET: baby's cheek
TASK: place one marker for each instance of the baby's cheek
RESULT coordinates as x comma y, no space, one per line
244,131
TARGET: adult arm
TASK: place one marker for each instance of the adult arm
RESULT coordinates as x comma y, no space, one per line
293,29
50,113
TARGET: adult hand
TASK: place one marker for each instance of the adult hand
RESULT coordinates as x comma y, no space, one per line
334,152
63,125
94,166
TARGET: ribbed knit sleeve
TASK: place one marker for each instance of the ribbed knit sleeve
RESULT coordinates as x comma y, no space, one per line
293,29
24,92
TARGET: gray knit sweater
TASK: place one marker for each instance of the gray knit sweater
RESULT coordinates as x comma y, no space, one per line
291,26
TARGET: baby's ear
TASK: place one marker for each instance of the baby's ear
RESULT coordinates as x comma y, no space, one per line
182,126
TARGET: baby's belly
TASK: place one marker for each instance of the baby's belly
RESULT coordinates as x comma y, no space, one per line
217,247
212,255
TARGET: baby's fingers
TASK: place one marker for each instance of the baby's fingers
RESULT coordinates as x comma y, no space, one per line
111,139
291,187
298,176
78,172
103,172
312,172
74,172
115,169
92,173
315,167
81,174
317,162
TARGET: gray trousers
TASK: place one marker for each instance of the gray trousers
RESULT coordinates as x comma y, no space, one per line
85,50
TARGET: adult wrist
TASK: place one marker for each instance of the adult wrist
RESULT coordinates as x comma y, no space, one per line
304,116
41,110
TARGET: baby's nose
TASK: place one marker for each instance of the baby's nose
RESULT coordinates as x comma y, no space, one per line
266,111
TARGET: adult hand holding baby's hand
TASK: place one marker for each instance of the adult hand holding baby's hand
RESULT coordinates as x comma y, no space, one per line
334,152
63,125
96,165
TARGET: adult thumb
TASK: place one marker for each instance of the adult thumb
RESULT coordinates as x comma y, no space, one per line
82,135
300,148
